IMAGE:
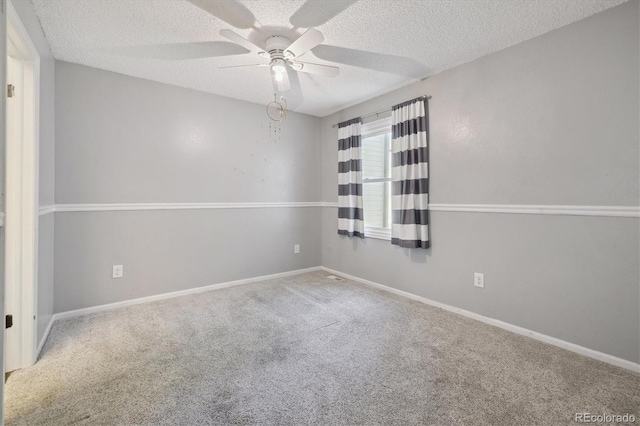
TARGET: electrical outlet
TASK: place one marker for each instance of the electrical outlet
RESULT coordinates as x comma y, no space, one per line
478,280
118,271
296,248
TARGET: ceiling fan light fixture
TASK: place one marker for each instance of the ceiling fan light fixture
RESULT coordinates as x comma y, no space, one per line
279,69
278,66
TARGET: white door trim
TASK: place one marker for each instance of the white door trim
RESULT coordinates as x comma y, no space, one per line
28,264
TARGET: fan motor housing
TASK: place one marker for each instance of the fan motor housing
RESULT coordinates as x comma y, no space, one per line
276,46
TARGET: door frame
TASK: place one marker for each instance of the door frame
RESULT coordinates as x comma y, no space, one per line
27,266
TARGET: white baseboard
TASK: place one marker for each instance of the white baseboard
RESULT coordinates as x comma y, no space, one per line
44,338
124,303
600,356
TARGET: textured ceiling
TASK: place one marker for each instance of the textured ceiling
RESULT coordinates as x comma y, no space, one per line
379,45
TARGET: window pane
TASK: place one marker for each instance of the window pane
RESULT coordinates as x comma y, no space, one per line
375,157
375,209
376,164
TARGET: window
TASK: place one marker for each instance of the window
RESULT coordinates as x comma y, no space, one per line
376,178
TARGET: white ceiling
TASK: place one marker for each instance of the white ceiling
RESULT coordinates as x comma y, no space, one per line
379,45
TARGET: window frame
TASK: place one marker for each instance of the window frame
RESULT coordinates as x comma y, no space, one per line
379,126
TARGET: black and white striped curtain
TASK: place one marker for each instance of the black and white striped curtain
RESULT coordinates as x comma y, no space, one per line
410,174
350,211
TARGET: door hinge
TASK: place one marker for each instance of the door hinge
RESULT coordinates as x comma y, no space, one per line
8,323
11,90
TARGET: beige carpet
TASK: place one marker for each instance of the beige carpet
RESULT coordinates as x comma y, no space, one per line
305,350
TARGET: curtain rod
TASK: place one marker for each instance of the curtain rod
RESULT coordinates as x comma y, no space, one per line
334,125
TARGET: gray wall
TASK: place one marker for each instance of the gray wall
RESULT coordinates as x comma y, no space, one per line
24,8
554,120
171,250
129,140
121,139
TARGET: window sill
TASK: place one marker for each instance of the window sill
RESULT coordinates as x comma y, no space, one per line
378,233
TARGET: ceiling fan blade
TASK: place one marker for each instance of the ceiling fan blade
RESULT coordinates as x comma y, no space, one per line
326,70
247,65
229,11
374,61
237,38
179,51
307,41
315,13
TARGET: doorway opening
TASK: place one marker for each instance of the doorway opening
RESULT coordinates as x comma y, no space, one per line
21,196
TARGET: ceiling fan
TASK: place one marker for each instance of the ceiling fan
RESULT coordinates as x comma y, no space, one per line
282,55
280,47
